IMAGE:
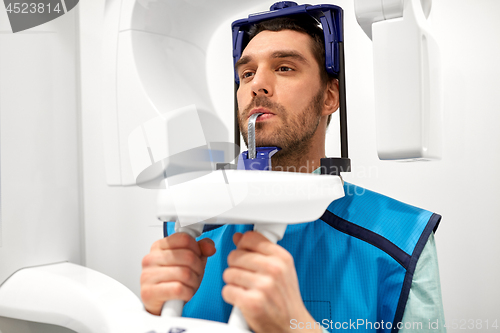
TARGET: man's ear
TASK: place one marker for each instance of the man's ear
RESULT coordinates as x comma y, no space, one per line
331,97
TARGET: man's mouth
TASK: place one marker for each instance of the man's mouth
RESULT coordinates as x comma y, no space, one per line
266,114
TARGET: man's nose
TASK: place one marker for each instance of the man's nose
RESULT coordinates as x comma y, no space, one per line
262,84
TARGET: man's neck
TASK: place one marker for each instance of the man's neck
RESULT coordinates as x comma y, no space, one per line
305,162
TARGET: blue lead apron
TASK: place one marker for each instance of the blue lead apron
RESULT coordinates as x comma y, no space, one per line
355,264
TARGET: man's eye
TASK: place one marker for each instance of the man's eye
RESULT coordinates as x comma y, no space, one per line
246,74
284,69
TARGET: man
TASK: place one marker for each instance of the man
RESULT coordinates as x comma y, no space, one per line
352,266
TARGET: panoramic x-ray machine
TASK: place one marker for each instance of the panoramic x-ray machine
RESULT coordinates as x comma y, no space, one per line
161,132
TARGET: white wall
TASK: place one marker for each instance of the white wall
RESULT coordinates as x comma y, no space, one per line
463,187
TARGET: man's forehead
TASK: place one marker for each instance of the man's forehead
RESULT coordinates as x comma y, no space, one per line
285,40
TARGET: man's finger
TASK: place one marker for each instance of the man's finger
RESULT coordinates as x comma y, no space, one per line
256,242
179,240
247,280
162,292
248,301
158,275
178,257
207,247
237,237
234,295
250,261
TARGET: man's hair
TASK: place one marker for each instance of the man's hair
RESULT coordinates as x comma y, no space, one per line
304,24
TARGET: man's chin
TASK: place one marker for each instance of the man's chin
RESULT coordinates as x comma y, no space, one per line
270,143
266,141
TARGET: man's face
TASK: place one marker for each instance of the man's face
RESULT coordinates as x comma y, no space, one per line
280,77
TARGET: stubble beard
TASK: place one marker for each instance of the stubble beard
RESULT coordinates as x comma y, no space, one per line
293,134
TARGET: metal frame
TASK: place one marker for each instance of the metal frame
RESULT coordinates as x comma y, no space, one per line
331,19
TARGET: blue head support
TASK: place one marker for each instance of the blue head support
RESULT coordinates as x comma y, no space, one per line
329,16
331,19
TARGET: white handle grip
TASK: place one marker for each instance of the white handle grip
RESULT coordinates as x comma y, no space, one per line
273,232
172,308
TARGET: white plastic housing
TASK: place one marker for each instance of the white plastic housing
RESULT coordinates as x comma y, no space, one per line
40,179
154,63
249,197
408,102
86,301
149,143
369,12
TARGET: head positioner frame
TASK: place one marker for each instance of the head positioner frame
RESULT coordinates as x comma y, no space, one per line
331,19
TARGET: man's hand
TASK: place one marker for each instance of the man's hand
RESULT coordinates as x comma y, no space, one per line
262,282
173,269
